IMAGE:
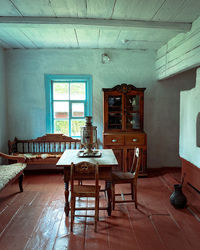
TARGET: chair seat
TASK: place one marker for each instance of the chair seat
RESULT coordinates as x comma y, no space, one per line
122,176
85,190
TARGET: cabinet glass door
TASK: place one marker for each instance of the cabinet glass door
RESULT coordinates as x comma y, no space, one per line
133,112
114,112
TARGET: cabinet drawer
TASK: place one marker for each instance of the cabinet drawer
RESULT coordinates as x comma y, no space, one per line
113,140
135,140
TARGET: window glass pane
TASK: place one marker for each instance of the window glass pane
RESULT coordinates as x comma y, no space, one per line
78,109
77,91
76,127
60,91
61,127
61,110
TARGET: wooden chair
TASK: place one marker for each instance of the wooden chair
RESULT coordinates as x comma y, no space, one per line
81,170
127,177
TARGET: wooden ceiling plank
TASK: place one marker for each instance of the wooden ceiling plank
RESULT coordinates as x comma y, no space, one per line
69,8
21,37
52,38
122,8
8,9
92,22
38,36
136,9
11,40
189,11
88,38
144,45
100,9
168,10
177,11
148,35
138,40
108,38
161,10
68,38
4,45
35,8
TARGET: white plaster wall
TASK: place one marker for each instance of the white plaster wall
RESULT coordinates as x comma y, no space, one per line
190,107
3,110
25,71
162,122
25,77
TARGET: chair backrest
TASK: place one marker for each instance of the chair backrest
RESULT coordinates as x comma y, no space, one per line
82,170
136,164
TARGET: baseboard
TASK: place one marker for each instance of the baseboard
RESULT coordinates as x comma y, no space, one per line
191,174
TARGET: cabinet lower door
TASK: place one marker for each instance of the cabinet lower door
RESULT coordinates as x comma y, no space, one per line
119,156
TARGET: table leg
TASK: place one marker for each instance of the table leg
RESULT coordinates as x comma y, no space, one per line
66,198
109,195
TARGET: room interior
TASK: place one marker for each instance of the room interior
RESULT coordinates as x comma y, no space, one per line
150,44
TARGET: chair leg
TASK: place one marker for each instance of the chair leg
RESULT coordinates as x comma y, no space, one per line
113,196
73,199
132,191
135,194
98,208
96,214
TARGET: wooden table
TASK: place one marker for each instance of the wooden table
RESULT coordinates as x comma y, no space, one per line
106,162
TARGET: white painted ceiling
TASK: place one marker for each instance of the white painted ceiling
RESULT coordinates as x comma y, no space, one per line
120,24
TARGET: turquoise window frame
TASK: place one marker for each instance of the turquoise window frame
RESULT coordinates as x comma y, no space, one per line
49,80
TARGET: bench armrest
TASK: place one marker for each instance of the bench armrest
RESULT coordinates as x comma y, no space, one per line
12,157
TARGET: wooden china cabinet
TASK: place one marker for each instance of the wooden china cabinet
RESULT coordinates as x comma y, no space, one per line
123,124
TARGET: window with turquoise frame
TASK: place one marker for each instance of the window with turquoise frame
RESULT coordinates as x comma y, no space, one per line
68,102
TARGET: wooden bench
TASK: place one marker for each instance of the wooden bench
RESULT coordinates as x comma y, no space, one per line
9,173
46,149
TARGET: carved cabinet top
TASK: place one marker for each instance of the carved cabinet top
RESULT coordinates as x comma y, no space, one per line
124,88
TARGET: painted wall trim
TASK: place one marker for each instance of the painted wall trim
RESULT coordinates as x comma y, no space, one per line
48,78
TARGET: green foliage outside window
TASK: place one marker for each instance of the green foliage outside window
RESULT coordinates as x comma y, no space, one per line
62,127
76,127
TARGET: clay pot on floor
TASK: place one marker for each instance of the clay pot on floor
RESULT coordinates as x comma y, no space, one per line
177,198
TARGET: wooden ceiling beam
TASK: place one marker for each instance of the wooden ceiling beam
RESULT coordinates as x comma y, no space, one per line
92,22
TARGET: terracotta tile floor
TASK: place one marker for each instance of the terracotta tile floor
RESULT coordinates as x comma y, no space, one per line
35,218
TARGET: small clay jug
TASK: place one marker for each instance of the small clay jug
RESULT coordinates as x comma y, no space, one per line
177,198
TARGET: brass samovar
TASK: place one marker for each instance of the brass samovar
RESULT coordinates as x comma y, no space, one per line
89,139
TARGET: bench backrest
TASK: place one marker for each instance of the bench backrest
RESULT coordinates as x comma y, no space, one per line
49,143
